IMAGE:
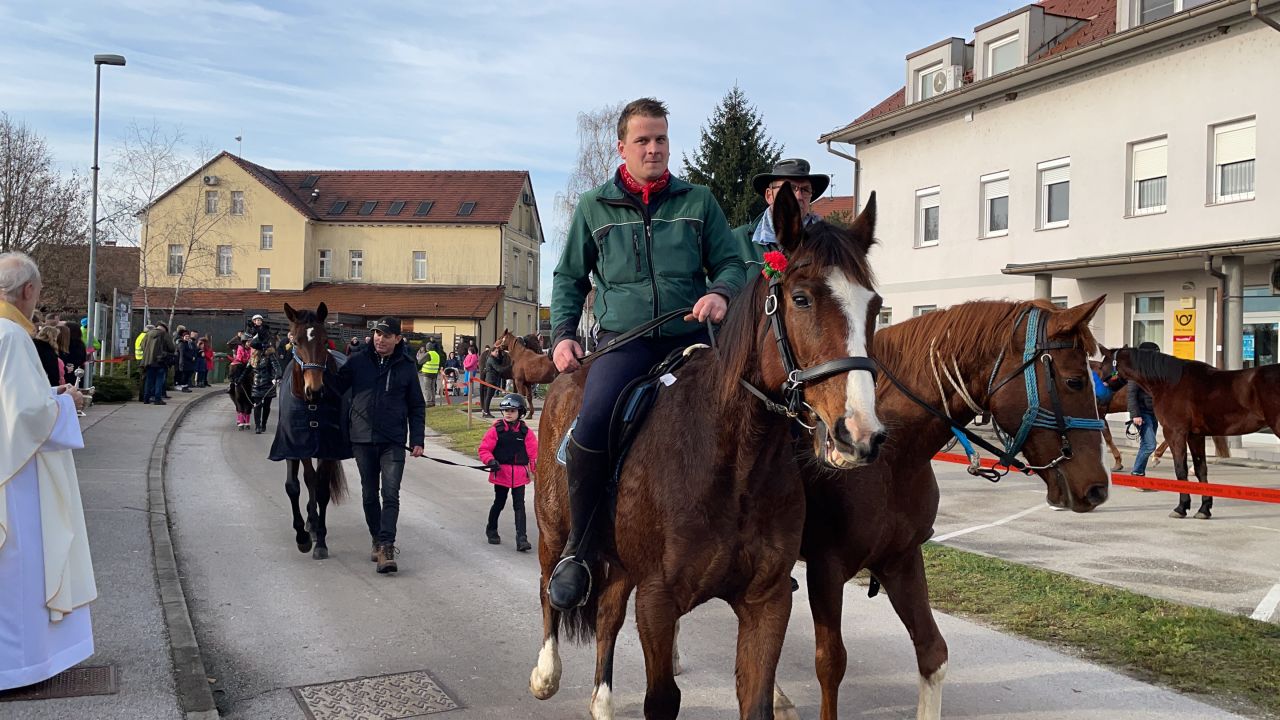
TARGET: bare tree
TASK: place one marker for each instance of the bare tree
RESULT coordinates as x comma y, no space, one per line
38,207
597,158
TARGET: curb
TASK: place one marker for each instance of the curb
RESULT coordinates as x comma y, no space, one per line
195,698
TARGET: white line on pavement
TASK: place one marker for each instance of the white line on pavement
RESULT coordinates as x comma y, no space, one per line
1267,607
984,526
1259,527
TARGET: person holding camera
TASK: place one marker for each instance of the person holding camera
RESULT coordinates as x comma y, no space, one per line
158,354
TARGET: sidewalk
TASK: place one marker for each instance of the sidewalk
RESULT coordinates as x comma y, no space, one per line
128,622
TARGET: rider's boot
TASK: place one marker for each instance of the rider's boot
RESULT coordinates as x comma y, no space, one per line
588,470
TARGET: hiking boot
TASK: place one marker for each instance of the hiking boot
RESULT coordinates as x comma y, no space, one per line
373,554
492,534
387,558
570,582
522,544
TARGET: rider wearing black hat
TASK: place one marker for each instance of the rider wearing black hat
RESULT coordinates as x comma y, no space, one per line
755,237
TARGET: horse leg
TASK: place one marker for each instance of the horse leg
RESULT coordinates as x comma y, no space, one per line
1115,452
908,590
318,529
1196,444
294,491
610,615
544,681
826,599
1178,443
526,389
313,514
656,617
762,626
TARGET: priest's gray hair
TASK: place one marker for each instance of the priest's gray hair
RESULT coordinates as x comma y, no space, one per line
16,270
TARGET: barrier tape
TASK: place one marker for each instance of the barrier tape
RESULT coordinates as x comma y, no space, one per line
1235,492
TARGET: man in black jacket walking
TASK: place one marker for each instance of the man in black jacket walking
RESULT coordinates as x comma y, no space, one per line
386,405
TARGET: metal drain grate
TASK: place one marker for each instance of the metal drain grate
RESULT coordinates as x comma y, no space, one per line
76,682
386,697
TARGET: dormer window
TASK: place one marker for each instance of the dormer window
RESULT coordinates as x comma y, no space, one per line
927,84
1003,55
1153,10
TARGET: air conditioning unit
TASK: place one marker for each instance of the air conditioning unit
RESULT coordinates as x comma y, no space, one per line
210,179
948,78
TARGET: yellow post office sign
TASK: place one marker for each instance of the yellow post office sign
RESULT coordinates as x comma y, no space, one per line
1184,333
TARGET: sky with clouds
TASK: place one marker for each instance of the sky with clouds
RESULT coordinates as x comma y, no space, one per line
479,84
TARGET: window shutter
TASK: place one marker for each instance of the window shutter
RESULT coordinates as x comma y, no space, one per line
1150,160
931,200
1053,176
1234,143
992,189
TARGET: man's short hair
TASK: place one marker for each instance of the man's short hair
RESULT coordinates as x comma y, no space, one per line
644,107
16,270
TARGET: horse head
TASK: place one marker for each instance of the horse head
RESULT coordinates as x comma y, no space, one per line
819,303
310,347
1042,397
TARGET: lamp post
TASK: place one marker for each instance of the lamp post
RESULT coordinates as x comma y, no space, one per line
98,62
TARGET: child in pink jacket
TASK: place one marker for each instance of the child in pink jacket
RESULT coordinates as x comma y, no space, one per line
510,449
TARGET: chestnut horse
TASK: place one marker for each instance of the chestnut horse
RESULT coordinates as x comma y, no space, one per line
709,502
1194,400
530,365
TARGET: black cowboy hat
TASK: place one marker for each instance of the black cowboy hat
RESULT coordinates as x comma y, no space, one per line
792,169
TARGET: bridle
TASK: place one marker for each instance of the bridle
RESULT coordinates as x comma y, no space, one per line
1036,347
304,366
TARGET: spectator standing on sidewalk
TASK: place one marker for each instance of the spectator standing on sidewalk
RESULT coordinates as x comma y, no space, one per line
470,366
510,449
1142,413
386,409
157,354
496,368
46,344
45,587
429,363
204,361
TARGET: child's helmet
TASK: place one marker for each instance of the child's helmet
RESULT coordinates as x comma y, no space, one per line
513,401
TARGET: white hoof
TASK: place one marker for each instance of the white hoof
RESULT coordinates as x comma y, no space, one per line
602,703
544,681
783,708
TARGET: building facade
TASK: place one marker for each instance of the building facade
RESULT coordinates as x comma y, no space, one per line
454,254
1076,148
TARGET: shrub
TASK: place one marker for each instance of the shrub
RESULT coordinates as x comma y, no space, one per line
109,389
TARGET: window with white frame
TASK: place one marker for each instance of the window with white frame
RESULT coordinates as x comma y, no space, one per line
176,257
924,82
237,202
267,237
325,267
210,202
918,310
224,260
928,216
884,318
357,264
1003,55
530,277
1151,10
1234,154
995,204
1055,193
515,268
419,264
1146,312
264,279
1150,163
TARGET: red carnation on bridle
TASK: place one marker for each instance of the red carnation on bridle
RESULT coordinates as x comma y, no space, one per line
775,263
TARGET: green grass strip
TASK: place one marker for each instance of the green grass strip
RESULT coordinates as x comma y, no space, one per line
451,421
1191,649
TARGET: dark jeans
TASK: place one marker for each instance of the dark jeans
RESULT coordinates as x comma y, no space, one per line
1146,443
262,413
500,502
202,377
611,373
385,462
155,383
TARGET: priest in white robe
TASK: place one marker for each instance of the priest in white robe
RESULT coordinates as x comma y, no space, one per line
46,577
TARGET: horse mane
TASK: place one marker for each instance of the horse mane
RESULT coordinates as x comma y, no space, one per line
531,341
1155,365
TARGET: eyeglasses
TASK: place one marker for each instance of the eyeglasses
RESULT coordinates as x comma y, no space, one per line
799,190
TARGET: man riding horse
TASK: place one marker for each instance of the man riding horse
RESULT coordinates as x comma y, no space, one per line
655,244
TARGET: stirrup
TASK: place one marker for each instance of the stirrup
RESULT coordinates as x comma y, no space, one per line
585,568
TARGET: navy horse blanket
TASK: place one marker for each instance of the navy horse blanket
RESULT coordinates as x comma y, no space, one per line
318,430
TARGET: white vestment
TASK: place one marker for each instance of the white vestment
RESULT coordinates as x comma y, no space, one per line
46,577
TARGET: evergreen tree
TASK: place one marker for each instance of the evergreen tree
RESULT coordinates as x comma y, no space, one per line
734,148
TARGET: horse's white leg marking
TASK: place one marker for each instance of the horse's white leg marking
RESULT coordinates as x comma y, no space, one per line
930,706
860,393
675,651
545,679
602,703
783,708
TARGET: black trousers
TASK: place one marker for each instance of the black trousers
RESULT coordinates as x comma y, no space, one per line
262,412
517,506
486,396
381,468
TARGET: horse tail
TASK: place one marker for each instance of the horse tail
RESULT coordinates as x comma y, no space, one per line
331,474
579,624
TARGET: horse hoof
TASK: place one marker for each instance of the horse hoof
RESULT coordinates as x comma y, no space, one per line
1178,514
1203,515
1117,467
320,553
304,547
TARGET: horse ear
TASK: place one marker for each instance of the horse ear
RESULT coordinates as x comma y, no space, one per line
863,231
322,312
290,313
788,226
1065,323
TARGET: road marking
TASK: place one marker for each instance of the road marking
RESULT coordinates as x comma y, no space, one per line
1267,607
1259,527
984,526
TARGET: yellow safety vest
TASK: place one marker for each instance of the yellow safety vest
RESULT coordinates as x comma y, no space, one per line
137,346
431,366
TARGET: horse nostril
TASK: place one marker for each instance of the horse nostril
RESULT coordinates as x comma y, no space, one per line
878,439
1097,495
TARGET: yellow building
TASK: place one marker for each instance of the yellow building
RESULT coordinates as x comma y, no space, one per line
452,253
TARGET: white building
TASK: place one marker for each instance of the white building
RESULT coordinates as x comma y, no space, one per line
1079,147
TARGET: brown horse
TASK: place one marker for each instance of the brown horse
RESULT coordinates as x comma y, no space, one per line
311,427
530,365
710,502
957,361
1194,400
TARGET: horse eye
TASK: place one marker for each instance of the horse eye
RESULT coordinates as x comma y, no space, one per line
1075,383
800,300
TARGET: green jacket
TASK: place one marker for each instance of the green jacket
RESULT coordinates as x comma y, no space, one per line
157,345
751,252
646,261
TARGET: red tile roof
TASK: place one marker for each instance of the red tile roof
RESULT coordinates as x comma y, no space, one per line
1101,17
495,193
405,301
823,207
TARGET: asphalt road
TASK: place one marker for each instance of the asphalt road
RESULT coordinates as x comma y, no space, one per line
270,619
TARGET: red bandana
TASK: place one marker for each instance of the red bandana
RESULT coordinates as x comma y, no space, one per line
644,191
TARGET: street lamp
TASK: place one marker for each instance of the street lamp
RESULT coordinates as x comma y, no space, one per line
98,62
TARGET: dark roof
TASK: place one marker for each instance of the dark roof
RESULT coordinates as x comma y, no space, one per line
1100,17
469,302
